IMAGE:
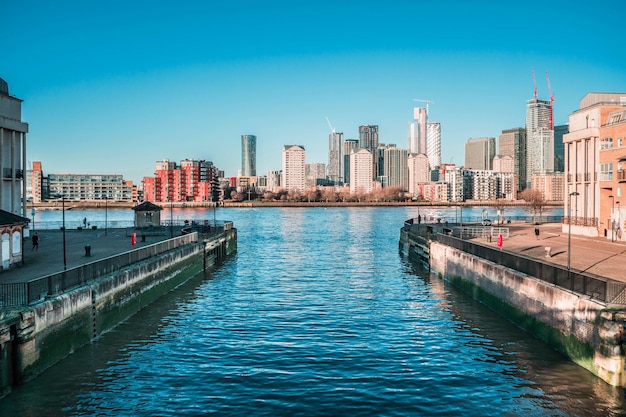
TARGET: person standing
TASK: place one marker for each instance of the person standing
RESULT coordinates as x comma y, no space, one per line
35,241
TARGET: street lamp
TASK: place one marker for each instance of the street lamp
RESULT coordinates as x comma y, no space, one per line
62,196
569,231
32,212
106,212
612,221
171,217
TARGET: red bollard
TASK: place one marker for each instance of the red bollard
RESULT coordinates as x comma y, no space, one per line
133,239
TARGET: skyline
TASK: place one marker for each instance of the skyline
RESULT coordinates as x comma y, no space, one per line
122,86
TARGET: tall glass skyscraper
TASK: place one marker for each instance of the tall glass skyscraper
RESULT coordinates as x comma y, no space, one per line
248,155
539,139
335,157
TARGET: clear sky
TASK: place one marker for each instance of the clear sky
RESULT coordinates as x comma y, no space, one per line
111,87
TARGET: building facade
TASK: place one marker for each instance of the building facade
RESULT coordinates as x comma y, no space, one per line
361,171
349,146
248,155
433,143
368,139
13,153
395,168
416,136
479,153
335,158
417,165
513,142
293,174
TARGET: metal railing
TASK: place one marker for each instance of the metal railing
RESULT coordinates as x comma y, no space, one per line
599,288
25,293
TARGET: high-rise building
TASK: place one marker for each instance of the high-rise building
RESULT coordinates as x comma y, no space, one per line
293,175
350,145
315,174
433,143
361,171
559,147
335,158
539,138
417,131
248,155
479,153
273,180
418,172
395,168
13,150
368,139
513,142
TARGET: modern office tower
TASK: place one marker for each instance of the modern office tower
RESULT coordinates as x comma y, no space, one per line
361,171
539,138
395,169
248,155
418,172
350,145
273,180
13,150
433,143
595,166
315,174
513,142
293,176
503,163
368,139
479,153
559,147
335,158
417,131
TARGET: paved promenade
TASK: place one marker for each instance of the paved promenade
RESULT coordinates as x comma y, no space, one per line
598,256
48,258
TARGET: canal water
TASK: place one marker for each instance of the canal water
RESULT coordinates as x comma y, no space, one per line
317,315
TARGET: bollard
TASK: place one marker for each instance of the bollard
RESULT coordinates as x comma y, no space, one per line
87,250
548,252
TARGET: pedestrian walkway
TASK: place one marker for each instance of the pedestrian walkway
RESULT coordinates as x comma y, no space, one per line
48,258
597,256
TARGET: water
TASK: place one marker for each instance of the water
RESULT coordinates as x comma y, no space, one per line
317,314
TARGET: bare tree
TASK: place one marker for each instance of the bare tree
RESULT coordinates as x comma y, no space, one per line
535,201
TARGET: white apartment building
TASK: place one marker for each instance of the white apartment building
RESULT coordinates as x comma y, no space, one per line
361,171
418,168
293,175
90,187
433,143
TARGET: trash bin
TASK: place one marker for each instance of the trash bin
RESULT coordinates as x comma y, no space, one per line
87,250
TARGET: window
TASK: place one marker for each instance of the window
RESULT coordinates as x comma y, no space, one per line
619,142
606,171
606,143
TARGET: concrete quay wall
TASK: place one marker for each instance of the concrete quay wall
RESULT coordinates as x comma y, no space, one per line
586,331
39,336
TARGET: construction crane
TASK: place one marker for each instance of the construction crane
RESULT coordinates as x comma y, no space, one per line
332,129
551,102
424,101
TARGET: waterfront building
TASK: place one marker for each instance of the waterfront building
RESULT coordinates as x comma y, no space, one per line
513,142
248,155
594,165
293,175
192,180
349,146
453,175
90,187
479,153
394,166
480,184
273,180
550,184
335,158
315,174
368,139
13,150
417,165
433,143
361,171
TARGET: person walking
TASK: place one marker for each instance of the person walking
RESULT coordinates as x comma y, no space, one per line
537,232
35,242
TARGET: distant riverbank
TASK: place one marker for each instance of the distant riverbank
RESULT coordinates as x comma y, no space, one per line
69,205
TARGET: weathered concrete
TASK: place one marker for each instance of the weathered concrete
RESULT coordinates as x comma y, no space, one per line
586,331
34,338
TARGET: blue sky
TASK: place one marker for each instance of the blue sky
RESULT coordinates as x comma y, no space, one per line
112,87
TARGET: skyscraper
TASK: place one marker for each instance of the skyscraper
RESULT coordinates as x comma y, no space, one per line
512,142
361,171
368,139
417,131
350,145
335,157
479,153
248,155
539,138
433,143
395,168
293,175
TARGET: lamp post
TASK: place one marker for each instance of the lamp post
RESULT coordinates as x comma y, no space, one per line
569,231
62,196
171,217
619,219
32,212
106,213
612,221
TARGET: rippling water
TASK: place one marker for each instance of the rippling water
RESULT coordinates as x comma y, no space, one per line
317,314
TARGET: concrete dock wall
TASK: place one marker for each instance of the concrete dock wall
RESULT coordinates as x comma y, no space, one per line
588,332
37,337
